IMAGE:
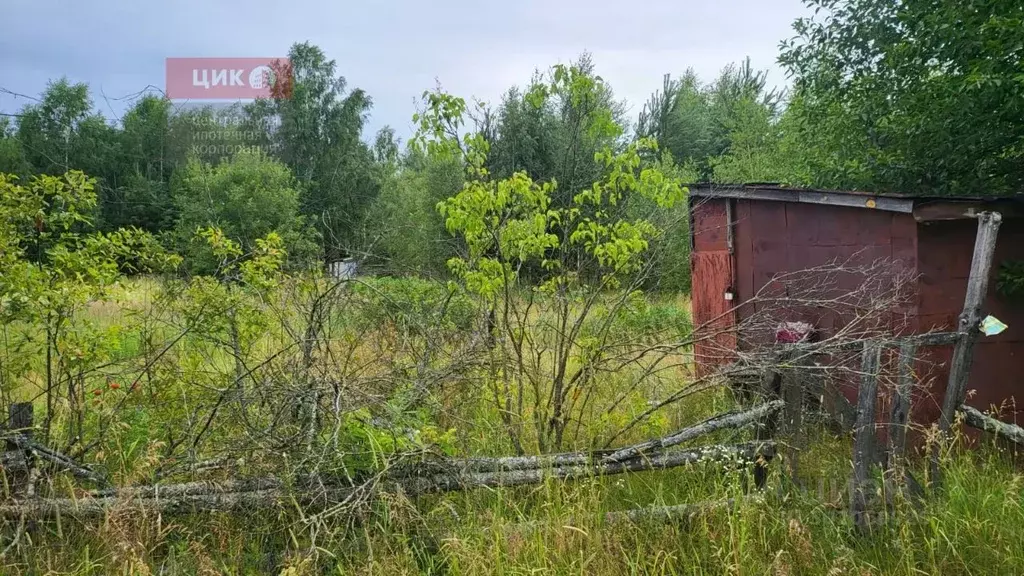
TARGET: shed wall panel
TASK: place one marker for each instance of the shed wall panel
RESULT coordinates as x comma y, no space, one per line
712,273
744,260
944,263
709,226
773,237
712,313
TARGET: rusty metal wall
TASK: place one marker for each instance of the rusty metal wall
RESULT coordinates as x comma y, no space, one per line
778,237
712,269
771,237
997,375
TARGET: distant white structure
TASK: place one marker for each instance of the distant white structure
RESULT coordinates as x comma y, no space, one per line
343,269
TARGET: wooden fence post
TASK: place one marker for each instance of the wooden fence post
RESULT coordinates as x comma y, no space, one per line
793,418
767,426
970,318
901,402
19,420
864,432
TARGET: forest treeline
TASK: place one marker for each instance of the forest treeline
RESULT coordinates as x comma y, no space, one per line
913,97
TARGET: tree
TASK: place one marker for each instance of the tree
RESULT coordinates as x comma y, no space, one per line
404,231
54,263
589,254
763,148
62,132
524,137
247,197
695,121
679,118
12,157
138,193
914,96
555,136
316,128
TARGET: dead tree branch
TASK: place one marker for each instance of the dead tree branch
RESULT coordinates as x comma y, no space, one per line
730,420
975,418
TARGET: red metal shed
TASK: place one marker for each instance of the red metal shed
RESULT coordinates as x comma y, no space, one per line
743,236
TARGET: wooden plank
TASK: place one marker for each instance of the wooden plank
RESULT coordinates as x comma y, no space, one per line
18,460
936,338
864,432
901,403
719,422
970,318
767,426
793,418
730,240
953,210
19,420
710,225
859,201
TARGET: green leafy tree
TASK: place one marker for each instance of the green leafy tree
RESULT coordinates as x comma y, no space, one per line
912,96
679,118
555,135
763,148
62,132
315,128
138,193
695,122
247,197
12,156
404,231
54,264
586,250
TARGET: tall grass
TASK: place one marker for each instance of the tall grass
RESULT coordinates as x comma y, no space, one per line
974,525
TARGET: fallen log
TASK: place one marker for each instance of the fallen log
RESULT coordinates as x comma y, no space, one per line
975,418
748,451
426,468
261,493
27,446
729,420
170,491
508,463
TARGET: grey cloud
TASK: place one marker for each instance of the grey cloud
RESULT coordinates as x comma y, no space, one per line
393,50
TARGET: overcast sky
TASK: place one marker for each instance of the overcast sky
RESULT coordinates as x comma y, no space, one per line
393,50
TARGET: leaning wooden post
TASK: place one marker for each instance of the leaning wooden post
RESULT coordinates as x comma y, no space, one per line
970,318
864,432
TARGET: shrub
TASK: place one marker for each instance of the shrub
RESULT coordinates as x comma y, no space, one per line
414,304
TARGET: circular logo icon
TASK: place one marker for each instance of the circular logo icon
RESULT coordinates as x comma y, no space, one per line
261,77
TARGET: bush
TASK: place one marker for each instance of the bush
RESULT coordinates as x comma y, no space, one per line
640,320
414,304
247,197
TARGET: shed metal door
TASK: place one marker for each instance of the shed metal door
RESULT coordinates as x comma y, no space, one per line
713,315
